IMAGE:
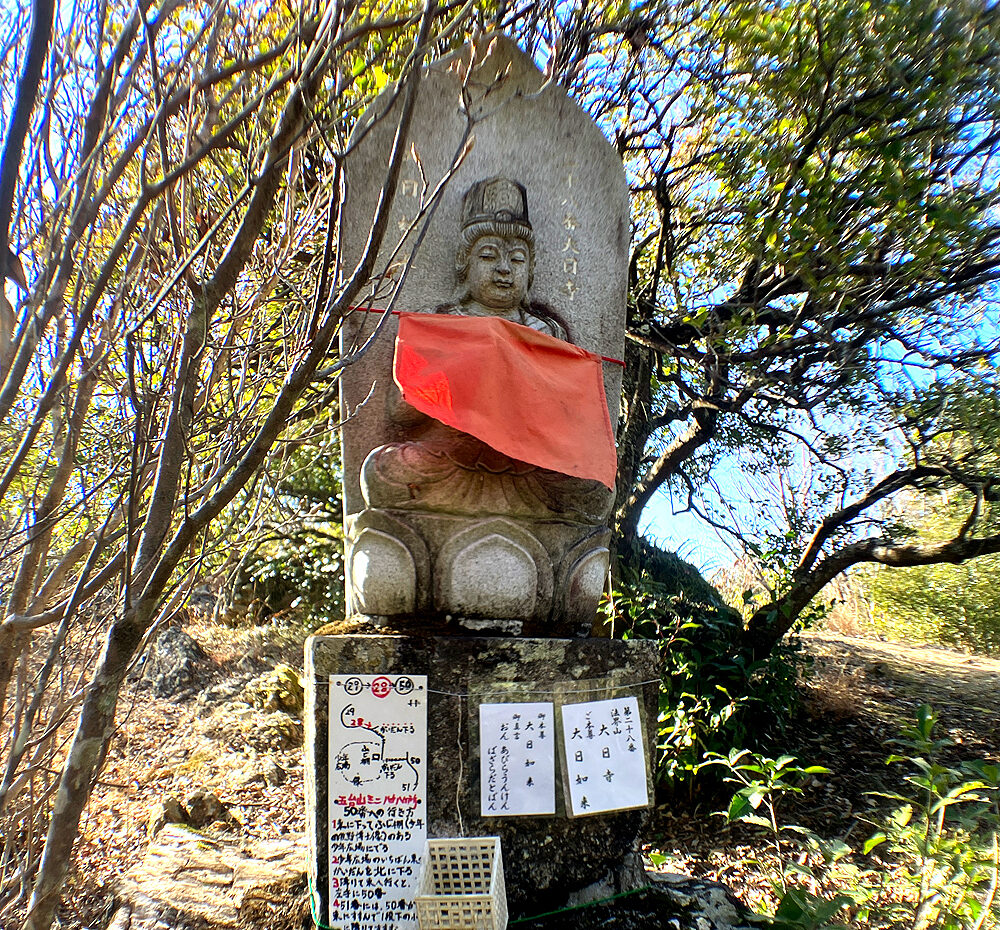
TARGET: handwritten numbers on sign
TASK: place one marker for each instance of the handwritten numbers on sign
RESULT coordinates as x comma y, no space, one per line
605,756
378,799
517,759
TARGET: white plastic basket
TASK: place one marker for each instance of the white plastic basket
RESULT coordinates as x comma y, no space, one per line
461,885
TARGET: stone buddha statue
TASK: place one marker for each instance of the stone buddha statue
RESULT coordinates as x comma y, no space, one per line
440,469
451,527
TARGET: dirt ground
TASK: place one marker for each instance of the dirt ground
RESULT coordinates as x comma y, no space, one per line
859,695
173,748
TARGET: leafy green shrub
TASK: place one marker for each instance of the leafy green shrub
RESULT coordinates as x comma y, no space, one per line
301,575
761,783
936,856
945,832
713,697
296,570
953,605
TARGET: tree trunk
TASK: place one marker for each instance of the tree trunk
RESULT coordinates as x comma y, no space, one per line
95,728
42,12
632,435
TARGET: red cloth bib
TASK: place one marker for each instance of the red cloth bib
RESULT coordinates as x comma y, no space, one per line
526,394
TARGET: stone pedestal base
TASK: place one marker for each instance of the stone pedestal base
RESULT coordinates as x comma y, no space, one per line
548,861
516,576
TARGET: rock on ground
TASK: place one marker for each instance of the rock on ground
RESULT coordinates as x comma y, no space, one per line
174,664
279,689
670,902
189,880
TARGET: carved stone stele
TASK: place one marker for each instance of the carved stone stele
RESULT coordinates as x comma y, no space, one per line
533,228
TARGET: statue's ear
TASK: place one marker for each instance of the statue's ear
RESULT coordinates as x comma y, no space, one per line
462,262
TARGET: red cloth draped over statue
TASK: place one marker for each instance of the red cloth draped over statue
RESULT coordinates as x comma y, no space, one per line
526,394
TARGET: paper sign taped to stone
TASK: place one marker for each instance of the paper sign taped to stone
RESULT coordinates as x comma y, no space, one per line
605,756
378,799
517,759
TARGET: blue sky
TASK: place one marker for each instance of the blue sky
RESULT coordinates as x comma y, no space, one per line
685,534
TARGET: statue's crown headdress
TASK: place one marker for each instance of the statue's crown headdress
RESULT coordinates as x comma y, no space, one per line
496,205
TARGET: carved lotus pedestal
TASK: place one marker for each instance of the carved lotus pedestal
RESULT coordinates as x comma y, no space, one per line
549,861
490,574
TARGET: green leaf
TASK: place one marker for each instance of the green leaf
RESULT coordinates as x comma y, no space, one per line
876,839
798,868
737,807
757,821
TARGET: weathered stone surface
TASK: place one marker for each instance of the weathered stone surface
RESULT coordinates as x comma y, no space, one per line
222,691
276,690
174,664
276,731
240,726
203,601
273,773
546,859
576,190
420,569
190,880
204,807
262,771
668,902
494,569
706,905
383,574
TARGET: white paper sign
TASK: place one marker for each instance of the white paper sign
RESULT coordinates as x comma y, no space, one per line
517,759
605,756
378,799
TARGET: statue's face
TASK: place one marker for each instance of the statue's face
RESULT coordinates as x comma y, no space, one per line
499,270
